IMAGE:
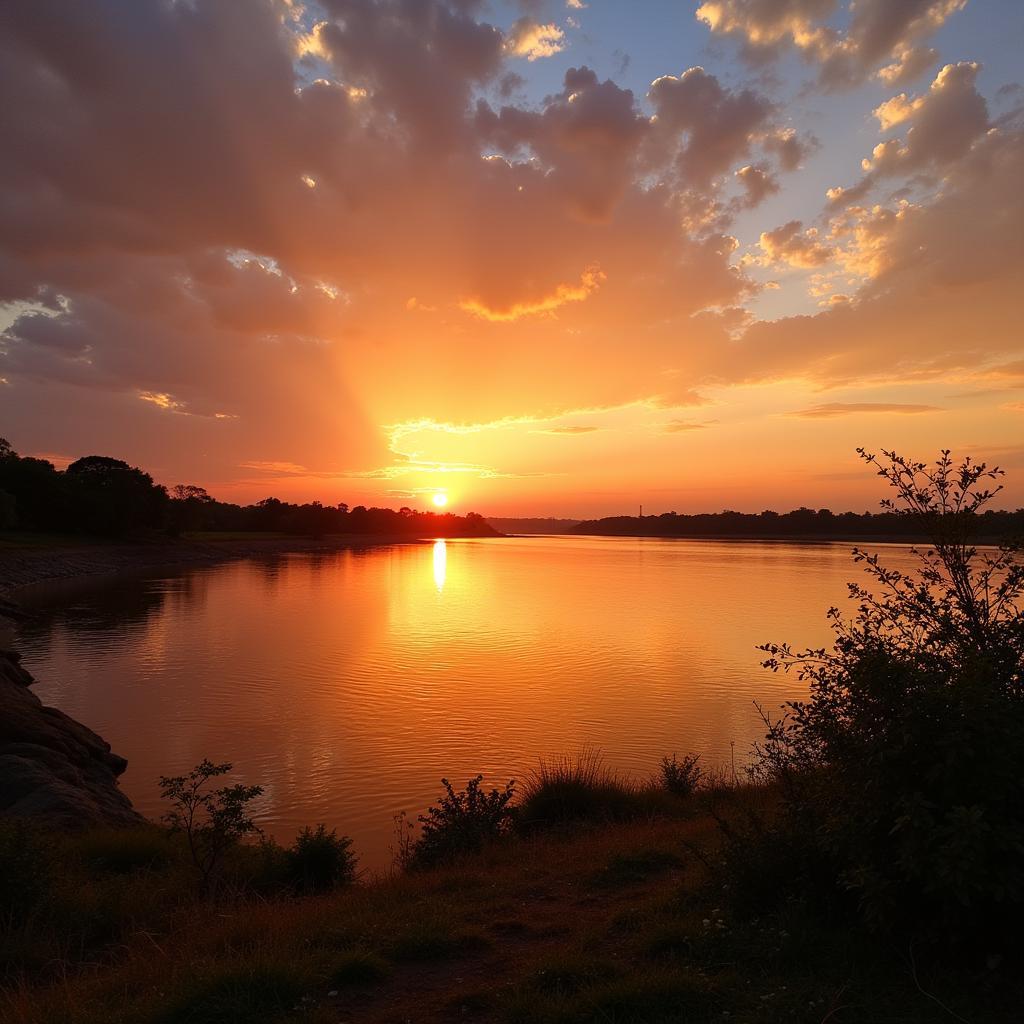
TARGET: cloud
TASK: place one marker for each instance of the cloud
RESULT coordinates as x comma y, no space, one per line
877,31
589,281
943,124
789,147
792,245
162,401
682,426
276,468
831,409
530,39
586,138
909,65
718,125
571,430
758,183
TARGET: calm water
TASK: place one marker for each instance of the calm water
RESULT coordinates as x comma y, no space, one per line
349,683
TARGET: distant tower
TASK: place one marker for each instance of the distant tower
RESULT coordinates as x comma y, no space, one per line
641,511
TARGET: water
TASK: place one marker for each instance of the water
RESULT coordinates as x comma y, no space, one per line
349,683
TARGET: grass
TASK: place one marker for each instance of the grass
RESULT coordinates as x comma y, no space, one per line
358,967
581,788
618,922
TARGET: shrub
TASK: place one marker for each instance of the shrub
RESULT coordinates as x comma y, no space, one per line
904,762
320,860
213,821
24,870
681,778
461,823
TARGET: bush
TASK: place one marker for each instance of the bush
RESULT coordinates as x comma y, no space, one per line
681,778
320,860
904,763
461,823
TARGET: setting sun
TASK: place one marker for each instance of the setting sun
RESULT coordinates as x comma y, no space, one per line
440,500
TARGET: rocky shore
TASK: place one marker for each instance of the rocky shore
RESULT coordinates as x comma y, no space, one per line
53,769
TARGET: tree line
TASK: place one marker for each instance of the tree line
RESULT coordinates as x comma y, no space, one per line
800,523
101,496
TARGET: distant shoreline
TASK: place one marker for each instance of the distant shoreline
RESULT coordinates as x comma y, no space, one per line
803,538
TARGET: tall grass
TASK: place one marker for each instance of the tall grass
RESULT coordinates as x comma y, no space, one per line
582,788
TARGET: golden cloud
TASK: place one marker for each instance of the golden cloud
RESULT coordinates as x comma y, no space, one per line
530,39
590,280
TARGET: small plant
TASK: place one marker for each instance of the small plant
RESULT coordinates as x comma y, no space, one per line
681,778
212,820
461,823
321,860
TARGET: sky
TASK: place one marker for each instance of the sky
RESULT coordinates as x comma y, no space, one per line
548,258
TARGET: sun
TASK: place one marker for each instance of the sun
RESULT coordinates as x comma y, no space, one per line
440,499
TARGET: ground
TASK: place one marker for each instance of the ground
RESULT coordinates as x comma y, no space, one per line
612,924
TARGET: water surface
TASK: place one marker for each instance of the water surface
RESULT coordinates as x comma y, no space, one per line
348,683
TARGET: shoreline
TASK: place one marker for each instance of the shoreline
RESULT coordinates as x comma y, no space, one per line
22,567
900,540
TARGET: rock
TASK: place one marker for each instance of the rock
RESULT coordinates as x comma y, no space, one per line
53,769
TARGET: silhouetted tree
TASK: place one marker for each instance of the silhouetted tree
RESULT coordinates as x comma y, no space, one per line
113,498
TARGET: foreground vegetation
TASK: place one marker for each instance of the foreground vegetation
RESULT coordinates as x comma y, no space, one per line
630,921
870,867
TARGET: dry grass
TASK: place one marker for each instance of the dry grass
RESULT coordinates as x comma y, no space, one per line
580,788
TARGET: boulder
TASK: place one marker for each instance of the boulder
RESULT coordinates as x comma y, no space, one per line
53,769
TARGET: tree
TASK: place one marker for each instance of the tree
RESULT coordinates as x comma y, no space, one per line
905,761
190,492
40,498
212,821
111,497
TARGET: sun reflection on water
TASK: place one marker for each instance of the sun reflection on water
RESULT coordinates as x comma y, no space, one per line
440,563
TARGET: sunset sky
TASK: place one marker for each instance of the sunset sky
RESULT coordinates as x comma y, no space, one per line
547,257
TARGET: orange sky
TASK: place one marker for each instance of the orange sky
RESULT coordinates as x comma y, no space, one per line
549,258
